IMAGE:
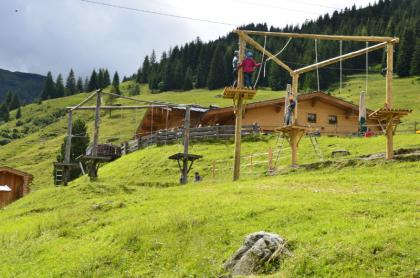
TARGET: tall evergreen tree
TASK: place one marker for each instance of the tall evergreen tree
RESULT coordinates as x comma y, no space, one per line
59,87
101,78
14,103
78,146
415,60
93,81
18,113
71,87
86,85
49,87
4,113
79,85
217,72
9,97
107,78
116,83
404,54
139,76
145,70
188,80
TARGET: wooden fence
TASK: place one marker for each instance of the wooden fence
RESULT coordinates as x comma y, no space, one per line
196,134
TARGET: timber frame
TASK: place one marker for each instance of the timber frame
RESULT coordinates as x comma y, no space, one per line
93,161
295,133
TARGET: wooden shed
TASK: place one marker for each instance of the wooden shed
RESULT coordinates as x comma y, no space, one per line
162,118
328,114
14,184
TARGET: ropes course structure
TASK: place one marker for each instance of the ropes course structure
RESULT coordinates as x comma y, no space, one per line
293,132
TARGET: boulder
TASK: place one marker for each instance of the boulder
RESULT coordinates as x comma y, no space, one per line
258,251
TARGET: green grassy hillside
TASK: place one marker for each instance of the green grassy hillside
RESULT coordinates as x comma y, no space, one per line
353,219
42,127
339,221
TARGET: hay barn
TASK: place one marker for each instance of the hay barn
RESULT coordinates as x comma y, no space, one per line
14,184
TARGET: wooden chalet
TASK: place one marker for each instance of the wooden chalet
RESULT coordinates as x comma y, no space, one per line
14,184
328,114
167,118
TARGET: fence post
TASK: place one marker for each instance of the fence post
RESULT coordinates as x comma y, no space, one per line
126,150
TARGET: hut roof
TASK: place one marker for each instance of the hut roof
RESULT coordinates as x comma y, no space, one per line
16,172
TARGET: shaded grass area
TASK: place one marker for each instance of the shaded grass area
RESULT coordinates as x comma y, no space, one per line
336,224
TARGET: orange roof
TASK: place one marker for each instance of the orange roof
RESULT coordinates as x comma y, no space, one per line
15,171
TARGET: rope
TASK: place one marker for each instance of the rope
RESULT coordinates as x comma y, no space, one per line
341,66
278,53
316,62
262,61
367,67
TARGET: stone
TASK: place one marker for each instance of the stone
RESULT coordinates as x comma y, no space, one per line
257,252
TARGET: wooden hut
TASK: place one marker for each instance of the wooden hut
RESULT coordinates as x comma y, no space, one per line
163,118
14,184
328,114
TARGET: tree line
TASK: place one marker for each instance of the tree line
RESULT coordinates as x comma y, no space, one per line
208,65
98,80
11,102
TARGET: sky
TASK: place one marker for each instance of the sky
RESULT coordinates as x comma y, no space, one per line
55,35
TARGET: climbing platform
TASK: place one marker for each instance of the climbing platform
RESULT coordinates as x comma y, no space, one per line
233,92
382,114
293,128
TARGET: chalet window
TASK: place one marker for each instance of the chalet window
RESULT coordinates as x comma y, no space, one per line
332,119
311,118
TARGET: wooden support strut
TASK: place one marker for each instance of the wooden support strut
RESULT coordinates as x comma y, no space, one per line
97,122
185,170
388,102
67,155
238,103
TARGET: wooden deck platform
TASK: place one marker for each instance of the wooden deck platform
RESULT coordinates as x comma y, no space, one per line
233,92
291,128
385,113
190,157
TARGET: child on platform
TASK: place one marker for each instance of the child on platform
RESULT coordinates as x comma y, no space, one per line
249,65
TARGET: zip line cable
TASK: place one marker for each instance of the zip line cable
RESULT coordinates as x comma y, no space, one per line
158,13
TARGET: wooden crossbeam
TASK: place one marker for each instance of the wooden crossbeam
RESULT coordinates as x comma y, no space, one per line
255,44
319,37
342,57
117,107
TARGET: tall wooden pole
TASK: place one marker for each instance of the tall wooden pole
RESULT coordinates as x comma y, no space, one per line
66,168
184,178
97,122
238,112
389,73
294,139
295,84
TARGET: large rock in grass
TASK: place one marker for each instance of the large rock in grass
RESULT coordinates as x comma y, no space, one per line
261,252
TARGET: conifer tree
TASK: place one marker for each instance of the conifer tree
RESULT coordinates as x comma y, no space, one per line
116,83
78,146
93,81
4,113
79,85
14,103
18,113
49,87
9,97
59,87
107,78
71,87
188,79
404,54
217,72
86,85
139,76
145,70
101,80
135,90
415,60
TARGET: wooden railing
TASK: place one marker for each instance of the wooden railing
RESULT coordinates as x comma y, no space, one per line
196,134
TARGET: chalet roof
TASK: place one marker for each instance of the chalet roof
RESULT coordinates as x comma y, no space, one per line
15,171
279,101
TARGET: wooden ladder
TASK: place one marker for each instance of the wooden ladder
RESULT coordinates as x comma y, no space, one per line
315,144
58,176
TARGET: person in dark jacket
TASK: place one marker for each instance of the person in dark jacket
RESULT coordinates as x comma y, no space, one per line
249,66
290,111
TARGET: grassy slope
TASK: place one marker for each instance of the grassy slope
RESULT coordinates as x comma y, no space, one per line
353,221
337,224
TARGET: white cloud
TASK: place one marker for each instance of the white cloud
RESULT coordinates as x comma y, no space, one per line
58,35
